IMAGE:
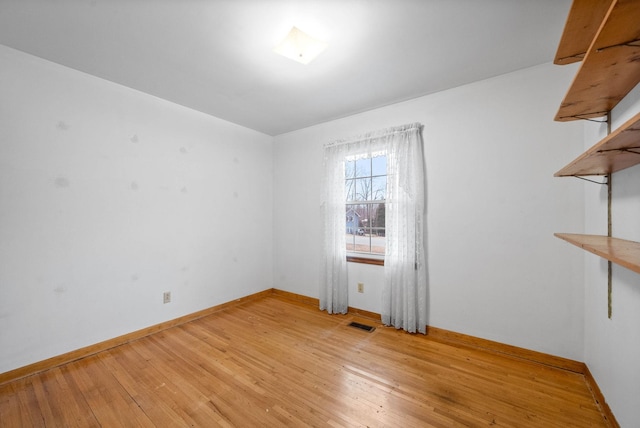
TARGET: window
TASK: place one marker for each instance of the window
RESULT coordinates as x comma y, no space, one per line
365,197
376,183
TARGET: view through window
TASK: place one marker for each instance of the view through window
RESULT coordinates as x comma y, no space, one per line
365,194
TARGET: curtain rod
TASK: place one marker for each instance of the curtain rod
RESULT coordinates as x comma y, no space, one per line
376,134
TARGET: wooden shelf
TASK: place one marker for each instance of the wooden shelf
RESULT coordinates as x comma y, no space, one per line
617,151
581,28
619,251
610,68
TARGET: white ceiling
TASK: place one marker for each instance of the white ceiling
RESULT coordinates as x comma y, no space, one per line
216,56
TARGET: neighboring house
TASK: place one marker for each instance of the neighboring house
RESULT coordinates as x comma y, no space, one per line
353,221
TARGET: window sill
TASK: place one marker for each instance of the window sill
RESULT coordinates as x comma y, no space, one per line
365,260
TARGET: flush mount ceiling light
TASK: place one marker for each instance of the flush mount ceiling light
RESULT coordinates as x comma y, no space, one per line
300,46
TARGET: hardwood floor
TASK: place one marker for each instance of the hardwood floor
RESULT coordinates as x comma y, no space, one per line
274,362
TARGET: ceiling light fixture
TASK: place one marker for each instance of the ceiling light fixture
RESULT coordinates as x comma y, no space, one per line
300,47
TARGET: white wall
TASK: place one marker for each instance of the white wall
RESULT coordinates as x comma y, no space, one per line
612,346
108,198
495,269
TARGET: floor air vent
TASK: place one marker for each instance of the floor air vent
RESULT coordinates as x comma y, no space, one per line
362,326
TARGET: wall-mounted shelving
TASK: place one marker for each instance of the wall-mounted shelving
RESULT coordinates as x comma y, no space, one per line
608,31
611,65
582,25
619,251
617,151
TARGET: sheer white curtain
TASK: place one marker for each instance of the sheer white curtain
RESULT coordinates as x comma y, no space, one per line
333,281
404,296
404,302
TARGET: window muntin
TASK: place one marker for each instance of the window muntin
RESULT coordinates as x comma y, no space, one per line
365,196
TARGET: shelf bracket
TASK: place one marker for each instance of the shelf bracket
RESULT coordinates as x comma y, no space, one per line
579,56
591,120
624,150
582,116
605,183
628,150
630,43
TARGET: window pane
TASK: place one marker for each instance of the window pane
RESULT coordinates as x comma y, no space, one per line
362,234
363,167
363,189
349,169
379,165
349,190
365,219
352,219
351,231
377,212
365,193
379,188
378,244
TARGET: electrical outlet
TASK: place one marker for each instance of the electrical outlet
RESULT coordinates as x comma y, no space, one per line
166,297
360,287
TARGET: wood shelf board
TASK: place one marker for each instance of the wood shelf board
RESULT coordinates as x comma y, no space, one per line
610,69
608,156
583,22
619,251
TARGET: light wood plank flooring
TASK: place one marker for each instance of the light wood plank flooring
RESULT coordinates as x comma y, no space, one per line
274,362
